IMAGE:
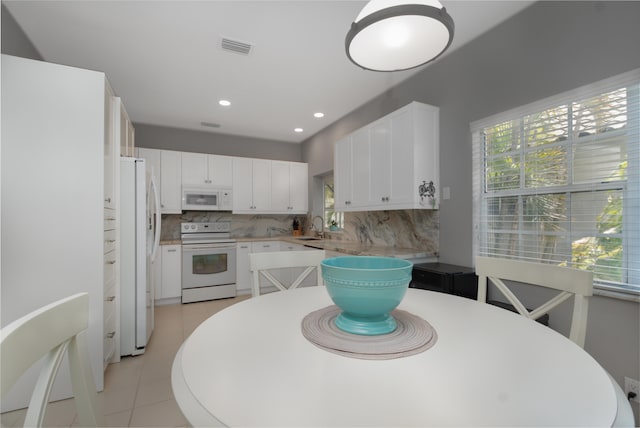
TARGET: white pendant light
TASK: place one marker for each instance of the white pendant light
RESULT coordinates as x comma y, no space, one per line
393,35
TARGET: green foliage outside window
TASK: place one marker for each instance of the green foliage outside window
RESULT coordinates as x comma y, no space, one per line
554,184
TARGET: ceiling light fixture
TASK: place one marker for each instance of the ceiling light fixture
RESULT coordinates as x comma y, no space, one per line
394,35
224,103
318,115
298,130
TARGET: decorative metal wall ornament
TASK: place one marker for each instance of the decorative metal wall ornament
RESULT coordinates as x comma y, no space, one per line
428,191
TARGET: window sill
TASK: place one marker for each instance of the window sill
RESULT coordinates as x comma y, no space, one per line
616,293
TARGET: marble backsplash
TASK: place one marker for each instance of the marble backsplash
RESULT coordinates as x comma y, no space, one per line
401,228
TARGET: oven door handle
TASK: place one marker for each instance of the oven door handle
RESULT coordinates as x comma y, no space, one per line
207,247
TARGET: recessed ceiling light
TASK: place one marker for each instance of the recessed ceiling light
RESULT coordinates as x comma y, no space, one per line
318,115
224,103
298,130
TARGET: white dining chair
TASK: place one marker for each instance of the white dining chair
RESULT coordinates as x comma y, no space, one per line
51,332
569,282
260,265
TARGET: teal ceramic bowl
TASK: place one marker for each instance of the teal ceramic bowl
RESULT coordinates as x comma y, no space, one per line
367,289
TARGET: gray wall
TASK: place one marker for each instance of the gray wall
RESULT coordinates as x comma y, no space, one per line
546,49
14,40
158,137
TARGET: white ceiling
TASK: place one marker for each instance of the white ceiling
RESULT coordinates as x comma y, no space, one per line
164,57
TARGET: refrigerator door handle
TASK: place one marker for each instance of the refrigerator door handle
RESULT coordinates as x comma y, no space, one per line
158,215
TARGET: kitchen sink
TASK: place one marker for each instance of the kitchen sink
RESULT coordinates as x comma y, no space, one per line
308,238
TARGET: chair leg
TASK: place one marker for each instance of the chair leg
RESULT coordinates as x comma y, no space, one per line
42,390
90,412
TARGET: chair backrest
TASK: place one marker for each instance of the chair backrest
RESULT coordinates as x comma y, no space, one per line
51,331
261,263
570,282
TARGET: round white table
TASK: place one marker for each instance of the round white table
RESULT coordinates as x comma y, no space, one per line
250,365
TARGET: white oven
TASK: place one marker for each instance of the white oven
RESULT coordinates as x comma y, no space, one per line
208,262
206,199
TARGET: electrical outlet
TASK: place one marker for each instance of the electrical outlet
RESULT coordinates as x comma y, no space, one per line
632,385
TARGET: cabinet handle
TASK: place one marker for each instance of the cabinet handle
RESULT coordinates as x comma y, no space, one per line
110,299
110,240
108,200
172,251
110,218
111,334
111,262
244,246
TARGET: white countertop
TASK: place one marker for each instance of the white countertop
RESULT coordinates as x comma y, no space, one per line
346,247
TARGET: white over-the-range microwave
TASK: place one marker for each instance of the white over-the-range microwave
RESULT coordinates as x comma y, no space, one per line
206,199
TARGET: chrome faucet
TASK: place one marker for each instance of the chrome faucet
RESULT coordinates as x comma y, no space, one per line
320,233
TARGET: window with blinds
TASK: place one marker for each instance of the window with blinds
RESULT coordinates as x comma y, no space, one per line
558,181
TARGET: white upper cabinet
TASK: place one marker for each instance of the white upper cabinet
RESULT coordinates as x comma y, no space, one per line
194,169
111,151
289,187
220,170
251,186
166,167
392,163
124,130
204,170
361,170
170,182
342,173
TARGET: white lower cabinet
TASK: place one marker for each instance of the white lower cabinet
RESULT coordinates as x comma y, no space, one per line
169,283
243,275
286,276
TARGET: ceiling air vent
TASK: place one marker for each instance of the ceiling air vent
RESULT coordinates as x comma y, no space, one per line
210,124
235,46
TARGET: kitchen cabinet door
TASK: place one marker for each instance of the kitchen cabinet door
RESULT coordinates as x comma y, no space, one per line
251,186
126,130
194,169
280,185
171,271
416,156
261,180
204,170
242,186
342,174
243,275
170,182
380,163
299,187
111,151
289,188
220,170
360,164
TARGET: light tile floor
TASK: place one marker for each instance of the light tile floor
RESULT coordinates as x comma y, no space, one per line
137,390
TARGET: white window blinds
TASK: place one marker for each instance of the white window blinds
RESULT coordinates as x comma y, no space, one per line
558,181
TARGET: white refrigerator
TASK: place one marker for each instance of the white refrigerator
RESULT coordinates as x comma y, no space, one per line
139,240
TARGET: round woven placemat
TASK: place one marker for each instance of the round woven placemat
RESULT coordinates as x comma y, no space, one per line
413,336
